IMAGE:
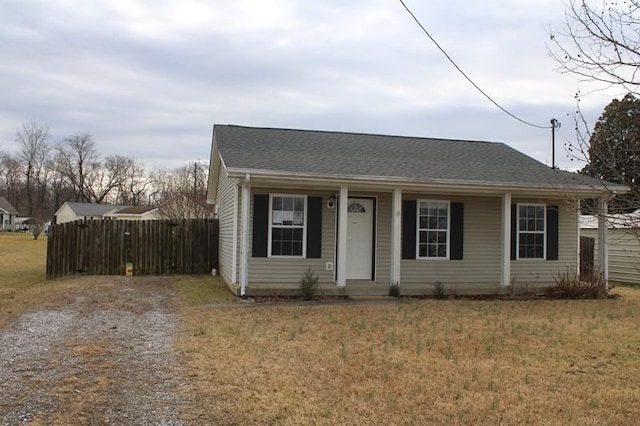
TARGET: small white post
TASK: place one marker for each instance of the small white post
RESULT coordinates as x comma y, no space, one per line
603,256
343,202
505,275
244,234
396,230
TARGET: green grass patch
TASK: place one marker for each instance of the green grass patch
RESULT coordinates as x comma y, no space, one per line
196,290
22,260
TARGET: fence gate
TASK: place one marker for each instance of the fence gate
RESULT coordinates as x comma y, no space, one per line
111,247
587,247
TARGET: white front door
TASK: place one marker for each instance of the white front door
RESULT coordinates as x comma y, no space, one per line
359,238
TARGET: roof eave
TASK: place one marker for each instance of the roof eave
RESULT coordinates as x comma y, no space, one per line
580,191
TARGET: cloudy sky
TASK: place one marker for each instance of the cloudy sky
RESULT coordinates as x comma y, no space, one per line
149,78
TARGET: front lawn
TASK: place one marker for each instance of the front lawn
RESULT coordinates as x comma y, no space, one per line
418,362
407,362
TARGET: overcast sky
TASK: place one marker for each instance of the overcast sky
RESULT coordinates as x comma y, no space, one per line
149,78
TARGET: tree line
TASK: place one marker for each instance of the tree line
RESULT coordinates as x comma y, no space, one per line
41,176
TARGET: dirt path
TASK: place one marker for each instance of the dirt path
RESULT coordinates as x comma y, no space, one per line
105,358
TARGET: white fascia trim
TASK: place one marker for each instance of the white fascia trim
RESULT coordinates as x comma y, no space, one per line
578,190
214,176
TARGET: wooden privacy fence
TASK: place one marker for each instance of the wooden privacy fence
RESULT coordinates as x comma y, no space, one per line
117,247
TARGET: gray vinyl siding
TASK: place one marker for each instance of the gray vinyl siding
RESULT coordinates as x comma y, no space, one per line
624,254
383,240
227,188
480,268
478,272
539,273
480,265
287,271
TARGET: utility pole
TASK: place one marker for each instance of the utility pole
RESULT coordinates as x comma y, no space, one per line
555,124
195,178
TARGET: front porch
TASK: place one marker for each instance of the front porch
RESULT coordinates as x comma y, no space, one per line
488,265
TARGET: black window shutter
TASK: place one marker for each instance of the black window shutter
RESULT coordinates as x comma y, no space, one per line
552,232
457,231
409,229
514,230
314,227
260,225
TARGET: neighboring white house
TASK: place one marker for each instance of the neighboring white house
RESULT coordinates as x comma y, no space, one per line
71,211
364,212
8,215
623,242
135,213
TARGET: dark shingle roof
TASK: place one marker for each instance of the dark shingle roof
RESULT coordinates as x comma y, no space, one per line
90,209
367,155
135,210
6,206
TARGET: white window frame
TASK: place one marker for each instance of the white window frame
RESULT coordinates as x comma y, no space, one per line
304,226
544,231
418,230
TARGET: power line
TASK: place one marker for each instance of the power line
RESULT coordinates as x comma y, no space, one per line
465,75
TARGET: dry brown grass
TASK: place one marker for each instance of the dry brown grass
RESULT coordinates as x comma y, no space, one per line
418,362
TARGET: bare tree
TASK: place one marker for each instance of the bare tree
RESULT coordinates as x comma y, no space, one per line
11,175
600,42
611,152
76,161
136,185
34,151
182,192
106,177
182,207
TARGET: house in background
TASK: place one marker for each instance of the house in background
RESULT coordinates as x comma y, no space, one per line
367,211
72,211
180,206
623,243
135,213
8,215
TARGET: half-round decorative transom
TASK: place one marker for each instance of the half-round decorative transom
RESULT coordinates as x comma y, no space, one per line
356,207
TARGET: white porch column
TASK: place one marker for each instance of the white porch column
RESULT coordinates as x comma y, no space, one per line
244,234
603,256
396,230
343,202
505,275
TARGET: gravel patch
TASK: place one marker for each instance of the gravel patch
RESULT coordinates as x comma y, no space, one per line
105,358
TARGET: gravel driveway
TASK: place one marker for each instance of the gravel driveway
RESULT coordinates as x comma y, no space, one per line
107,357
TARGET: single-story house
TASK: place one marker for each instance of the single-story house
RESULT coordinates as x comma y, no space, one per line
135,213
8,215
365,211
623,243
72,211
